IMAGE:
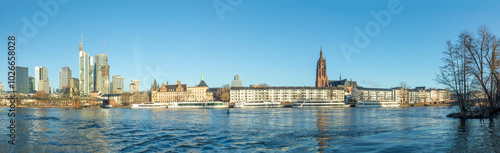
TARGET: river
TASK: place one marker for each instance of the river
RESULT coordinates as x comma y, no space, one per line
409,129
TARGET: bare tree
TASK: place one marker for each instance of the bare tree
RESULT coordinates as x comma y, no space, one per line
471,64
223,93
455,74
405,92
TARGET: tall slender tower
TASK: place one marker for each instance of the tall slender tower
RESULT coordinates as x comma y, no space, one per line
321,77
84,70
105,70
102,82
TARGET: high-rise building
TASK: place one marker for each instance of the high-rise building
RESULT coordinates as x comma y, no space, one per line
1,88
321,77
64,77
132,87
40,74
117,82
237,81
31,84
43,85
75,83
85,71
37,76
91,74
137,85
102,82
22,85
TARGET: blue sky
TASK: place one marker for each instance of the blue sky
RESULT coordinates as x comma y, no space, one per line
275,42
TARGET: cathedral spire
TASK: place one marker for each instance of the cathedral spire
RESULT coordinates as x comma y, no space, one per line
321,76
201,76
321,52
340,77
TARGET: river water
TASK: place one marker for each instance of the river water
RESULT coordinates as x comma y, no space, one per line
413,129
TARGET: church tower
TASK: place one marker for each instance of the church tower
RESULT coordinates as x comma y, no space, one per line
321,77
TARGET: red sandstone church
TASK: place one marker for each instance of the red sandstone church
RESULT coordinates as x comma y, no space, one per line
322,78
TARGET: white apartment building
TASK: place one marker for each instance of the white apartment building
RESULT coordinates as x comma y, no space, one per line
285,94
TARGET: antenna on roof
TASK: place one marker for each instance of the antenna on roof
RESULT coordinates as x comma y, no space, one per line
105,48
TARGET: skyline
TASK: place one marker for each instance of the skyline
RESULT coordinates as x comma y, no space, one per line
277,44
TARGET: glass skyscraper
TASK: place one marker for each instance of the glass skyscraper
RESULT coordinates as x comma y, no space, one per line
22,85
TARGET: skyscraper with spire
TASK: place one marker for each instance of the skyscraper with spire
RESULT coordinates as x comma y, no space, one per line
102,82
321,77
84,69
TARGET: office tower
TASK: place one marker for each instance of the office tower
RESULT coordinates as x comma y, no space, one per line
40,74
237,81
85,70
1,88
75,83
137,85
43,85
64,77
22,85
132,87
102,72
31,84
91,74
117,82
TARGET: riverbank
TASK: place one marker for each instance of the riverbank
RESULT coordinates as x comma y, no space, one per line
69,106
422,105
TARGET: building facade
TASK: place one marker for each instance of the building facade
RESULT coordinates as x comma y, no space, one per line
237,81
101,80
172,93
43,85
373,94
132,88
285,94
398,94
84,69
75,83
199,92
31,82
117,83
64,77
137,85
40,74
22,84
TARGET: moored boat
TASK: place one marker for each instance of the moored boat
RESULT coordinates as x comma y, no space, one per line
378,104
208,104
318,103
258,105
149,105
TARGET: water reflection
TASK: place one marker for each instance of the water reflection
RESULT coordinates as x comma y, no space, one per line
322,126
422,129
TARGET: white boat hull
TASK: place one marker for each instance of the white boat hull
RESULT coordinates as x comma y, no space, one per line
148,106
377,104
258,105
197,105
320,103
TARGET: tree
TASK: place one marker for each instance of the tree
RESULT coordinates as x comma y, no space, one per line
125,98
405,92
471,64
223,93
